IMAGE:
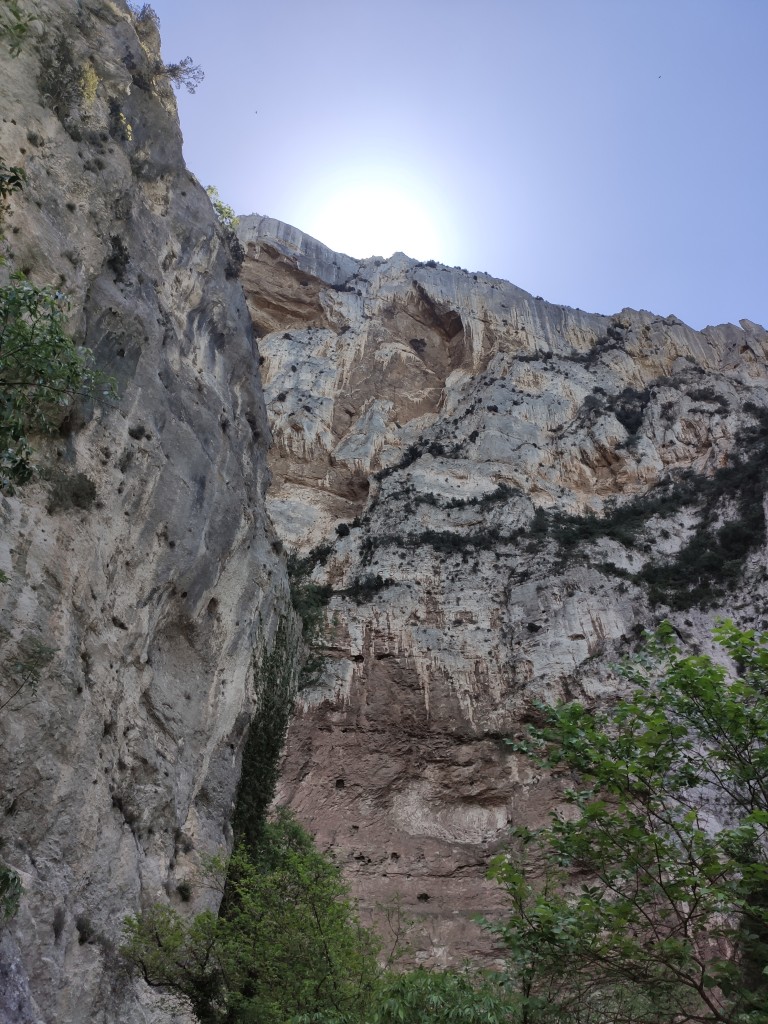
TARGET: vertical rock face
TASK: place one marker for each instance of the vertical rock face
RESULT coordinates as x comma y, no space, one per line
117,772
501,494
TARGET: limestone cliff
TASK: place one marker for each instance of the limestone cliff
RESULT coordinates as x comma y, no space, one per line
117,775
501,493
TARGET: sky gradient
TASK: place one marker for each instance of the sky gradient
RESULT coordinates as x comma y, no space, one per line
599,153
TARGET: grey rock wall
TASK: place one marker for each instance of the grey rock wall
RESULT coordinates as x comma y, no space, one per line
117,775
434,429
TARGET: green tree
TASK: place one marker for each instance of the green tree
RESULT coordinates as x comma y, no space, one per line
286,944
649,902
11,180
183,72
275,669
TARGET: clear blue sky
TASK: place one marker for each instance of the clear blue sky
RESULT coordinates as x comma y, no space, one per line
600,153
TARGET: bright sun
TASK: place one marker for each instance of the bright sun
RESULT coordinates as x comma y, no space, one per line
376,216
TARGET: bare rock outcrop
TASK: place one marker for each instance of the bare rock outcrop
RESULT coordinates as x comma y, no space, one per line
501,494
155,583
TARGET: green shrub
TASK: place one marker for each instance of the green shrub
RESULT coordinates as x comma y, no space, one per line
228,222
10,892
441,997
286,943
118,258
42,373
144,14
363,588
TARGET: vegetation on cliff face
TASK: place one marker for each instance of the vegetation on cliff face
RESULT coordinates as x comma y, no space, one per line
288,946
42,373
276,671
228,222
286,942
42,370
711,562
643,902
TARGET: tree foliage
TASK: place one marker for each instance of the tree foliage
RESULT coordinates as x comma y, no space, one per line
183,73
441,997
11,180
651,901
21,671
286,944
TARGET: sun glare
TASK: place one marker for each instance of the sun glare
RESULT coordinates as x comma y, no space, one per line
377,217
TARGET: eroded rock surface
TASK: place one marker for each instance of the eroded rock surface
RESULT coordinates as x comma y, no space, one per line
117,775
440,437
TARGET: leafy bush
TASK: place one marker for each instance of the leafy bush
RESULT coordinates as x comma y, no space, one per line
412,452
11,180
10,892
144,14
42,373
228,222
441,997
21,669
363,588
629,408
287,942
118,258
309,601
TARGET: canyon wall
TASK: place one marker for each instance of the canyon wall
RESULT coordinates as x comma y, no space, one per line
493,495
498,495
142,554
